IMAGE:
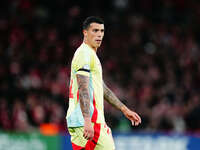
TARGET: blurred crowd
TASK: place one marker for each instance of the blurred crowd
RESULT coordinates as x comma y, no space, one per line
150,58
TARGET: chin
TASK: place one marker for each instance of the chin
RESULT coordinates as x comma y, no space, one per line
99,45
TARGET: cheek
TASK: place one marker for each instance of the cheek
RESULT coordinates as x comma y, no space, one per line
92,37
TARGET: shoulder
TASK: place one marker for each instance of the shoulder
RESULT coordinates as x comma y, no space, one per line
83,55
83,50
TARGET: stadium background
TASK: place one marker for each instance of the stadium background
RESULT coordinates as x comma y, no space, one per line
150,57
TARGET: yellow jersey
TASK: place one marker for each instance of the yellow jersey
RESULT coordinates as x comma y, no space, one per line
85,62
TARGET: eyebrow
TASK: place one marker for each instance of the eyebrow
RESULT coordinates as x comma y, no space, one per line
99,29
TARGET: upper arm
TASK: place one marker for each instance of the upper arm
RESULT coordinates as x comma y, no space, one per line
82,81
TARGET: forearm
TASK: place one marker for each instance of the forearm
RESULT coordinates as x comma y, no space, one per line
111,98
84,95
84,102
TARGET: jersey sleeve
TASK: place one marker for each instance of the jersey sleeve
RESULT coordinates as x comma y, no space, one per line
83,63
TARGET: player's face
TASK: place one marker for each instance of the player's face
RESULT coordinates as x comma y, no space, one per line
94,35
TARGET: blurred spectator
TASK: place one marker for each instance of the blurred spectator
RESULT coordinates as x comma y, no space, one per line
150,56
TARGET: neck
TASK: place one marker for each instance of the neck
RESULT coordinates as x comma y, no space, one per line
86,42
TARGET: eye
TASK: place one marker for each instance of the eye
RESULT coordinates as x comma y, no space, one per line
95,30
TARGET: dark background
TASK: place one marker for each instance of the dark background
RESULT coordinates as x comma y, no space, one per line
150,57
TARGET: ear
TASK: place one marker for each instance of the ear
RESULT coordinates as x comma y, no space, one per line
85,33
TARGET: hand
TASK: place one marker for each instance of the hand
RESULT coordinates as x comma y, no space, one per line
88,132
132,116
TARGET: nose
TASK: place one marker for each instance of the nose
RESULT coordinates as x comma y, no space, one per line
100,34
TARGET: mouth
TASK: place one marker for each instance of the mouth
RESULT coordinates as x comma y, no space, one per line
98,41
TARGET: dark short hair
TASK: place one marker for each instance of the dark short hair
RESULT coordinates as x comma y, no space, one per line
92,19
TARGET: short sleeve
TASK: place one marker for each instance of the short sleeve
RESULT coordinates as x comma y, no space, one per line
83,63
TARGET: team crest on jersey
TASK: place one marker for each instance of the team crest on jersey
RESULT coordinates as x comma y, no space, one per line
86,67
